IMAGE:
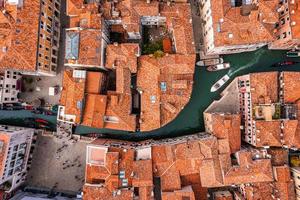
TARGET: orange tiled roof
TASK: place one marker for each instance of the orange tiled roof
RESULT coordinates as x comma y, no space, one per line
291,90
291,133
94,82
119,105
72,94
227,126
281,188
19,37
122,55
279,156
132,10
137,172
77,90
268,133
89,48
247,29
295,17
264,87
186,192
181,25
205,166
4,139
166,70
100,193
94,110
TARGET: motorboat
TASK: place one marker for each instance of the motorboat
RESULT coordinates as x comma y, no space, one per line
213,68
208,62
285,63
293,54
219,83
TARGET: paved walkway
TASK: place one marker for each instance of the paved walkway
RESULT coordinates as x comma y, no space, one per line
57,165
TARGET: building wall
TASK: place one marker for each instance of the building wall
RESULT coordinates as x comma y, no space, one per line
246,109
15,158
296,177
8,87
49,33
284,37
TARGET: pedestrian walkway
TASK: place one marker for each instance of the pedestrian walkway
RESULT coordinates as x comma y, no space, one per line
57,164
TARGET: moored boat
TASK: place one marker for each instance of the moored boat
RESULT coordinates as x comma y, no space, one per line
293,54
285,63
219,83
208,62
218,67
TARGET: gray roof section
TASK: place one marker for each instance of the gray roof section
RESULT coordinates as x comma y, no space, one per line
72,45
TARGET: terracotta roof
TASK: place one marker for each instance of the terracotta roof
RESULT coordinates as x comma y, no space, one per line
94,110
291,90
245,29
282,173
291,133
222,195
264,87
184,166
94,82
99,193
72,95
137,173
89,48
132,10
281,188
122,55
119,107
155,78
181,25
279,156
19,39
81,97
225,126
268,133
185,193
142,173
294,9
4,140
218,171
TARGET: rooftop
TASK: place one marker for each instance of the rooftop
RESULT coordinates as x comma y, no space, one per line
166,84
86,97
247,24
19,39
225,126
264,88
184,166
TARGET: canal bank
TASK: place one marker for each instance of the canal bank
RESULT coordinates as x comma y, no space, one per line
190,119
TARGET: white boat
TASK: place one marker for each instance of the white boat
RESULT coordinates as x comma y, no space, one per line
293,54
219,83
211,61
218,67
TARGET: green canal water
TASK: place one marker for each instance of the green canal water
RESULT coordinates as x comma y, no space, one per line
190,119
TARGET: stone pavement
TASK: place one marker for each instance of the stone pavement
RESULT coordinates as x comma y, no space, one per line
57,164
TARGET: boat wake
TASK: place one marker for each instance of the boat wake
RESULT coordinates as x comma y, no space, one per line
258,54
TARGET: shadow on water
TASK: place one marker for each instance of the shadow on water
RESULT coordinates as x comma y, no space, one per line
190,119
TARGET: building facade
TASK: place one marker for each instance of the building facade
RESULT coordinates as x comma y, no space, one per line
16,148
296,177
10,86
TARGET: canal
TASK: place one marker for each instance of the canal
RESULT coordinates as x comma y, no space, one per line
190,119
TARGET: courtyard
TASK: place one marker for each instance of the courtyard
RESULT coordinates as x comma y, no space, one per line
57,165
